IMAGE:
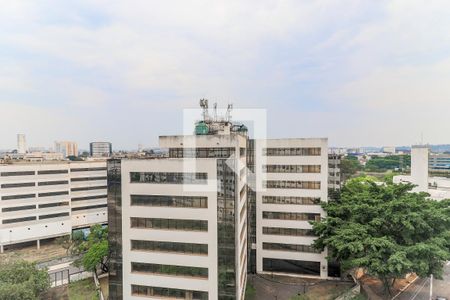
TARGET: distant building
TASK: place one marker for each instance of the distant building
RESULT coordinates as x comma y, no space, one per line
100,149
66,148
439,164
21,144
43,156
334,172
424,167
41,201
390,150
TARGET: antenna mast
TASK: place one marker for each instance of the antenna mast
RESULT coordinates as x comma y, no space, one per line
204,106
215,112
228,113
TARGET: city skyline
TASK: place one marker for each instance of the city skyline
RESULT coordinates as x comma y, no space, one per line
357,72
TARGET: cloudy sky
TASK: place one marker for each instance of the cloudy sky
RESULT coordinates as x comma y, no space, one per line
357,72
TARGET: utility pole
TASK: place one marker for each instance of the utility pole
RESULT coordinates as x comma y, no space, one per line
431,287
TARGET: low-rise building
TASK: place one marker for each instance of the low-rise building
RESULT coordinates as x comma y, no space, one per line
40,201
424,167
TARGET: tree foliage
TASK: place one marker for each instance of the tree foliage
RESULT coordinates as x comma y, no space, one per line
21,280
386,229
391,162
349,166
94,249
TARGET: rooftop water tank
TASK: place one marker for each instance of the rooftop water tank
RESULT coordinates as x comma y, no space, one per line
201,128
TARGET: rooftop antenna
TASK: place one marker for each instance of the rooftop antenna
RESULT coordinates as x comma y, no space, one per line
228,113
215,112
204,106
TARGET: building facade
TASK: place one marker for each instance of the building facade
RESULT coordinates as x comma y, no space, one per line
40,201
439,164
294,182
183,221
66,148
335,179
193,225
100,149
428,173
21,144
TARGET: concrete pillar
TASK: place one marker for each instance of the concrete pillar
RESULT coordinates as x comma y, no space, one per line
419,167
324,269
1,249
38,244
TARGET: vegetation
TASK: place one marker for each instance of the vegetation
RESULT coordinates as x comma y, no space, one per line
22,280
83,289
250,292
349,166
387,230
94,249
392,162
71,243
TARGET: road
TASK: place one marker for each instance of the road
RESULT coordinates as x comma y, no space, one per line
420,289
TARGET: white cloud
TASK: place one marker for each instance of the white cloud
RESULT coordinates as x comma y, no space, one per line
354,58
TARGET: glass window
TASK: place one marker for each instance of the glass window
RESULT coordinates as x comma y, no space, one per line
23,196
168,178
169,270
158,246
169,224
169,201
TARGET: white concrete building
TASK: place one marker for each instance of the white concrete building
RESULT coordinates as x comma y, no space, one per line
183,231
43,156
437,187
334,171
40,201
295,183
21,144
179,225
389,149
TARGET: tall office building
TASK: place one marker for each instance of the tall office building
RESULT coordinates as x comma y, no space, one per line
40,201
21,144
100,149
192,225
66,148
295,184
183,221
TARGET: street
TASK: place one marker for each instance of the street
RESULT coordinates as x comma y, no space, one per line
420,289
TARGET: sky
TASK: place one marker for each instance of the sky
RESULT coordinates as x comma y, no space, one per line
362,73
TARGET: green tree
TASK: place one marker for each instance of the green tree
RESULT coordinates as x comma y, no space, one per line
349,166
94,250
386,230
392,162
21,280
